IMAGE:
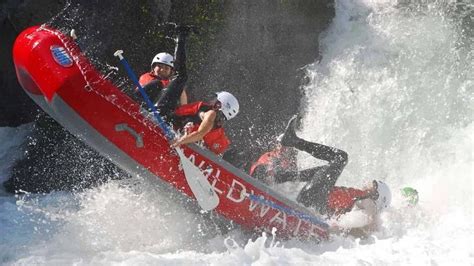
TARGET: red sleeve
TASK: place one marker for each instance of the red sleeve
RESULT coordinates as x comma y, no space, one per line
342,199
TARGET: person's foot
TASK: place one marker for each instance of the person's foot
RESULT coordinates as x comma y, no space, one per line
289,136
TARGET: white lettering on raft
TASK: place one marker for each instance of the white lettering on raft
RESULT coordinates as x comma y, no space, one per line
237,193
263,208
241,193
279,219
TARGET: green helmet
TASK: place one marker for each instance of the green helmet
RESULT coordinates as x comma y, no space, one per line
410,195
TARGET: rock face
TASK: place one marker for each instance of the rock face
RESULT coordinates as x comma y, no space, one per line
258,56
253,49
15,106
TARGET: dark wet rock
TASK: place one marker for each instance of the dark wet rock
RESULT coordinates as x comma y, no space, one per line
258,55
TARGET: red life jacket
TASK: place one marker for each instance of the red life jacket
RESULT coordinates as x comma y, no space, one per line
278,158
216,140
149,77
342,199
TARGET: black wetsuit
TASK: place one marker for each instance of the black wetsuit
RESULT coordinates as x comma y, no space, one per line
169,98
323,179
320,179
154,89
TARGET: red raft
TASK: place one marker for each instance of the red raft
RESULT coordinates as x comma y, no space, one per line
62,81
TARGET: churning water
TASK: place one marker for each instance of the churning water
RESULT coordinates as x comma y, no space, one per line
394,88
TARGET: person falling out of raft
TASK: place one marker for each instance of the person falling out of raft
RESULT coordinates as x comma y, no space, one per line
202,121
321,192
163,69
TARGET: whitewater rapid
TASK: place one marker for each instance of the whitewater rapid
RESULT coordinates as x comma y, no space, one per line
394,88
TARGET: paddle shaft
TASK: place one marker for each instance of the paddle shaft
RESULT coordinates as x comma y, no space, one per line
169,134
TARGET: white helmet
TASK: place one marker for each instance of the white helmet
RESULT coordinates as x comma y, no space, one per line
163,58
385,195
229,104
